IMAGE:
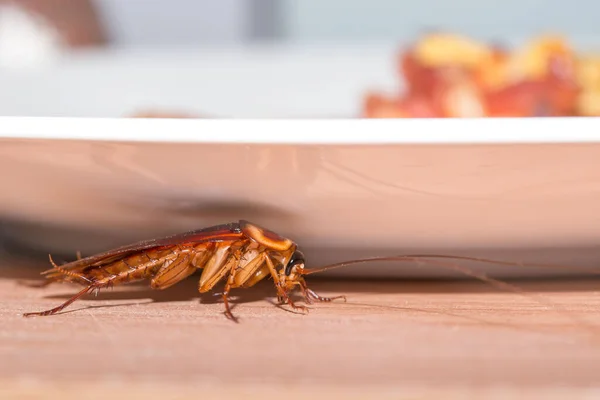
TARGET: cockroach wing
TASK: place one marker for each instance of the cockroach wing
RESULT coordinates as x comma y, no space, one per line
217,233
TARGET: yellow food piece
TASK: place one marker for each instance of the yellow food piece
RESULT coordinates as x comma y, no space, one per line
531,62
588,78
437,50
588,71
493,74
588,103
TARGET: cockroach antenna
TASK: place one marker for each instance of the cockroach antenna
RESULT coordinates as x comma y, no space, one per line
431,259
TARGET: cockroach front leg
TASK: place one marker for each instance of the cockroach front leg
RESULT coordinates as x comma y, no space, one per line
282,296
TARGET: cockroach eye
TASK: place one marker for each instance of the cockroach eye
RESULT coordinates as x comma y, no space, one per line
297,259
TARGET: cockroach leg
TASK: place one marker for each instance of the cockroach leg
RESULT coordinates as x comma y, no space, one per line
228,312
304,289
225,295
283,298
282,294
289,301
66,303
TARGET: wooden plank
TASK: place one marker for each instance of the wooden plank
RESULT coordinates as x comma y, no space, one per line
401,339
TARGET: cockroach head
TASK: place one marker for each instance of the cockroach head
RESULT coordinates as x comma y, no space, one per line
296,263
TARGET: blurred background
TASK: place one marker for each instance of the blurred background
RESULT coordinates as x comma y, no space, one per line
298,58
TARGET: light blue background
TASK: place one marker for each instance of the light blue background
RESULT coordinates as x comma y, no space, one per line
161,22
380,19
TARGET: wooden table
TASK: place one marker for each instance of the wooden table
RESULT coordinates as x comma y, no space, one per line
415,339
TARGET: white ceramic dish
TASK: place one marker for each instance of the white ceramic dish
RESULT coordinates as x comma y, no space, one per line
329,79
260,81
520,189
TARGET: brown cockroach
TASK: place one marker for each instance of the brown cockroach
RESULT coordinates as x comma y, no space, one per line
240,253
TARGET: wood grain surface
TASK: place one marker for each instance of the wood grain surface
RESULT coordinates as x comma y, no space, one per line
397,339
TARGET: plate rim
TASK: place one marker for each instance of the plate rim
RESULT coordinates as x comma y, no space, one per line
307,131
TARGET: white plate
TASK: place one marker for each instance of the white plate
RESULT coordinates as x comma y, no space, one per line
263,81
520,189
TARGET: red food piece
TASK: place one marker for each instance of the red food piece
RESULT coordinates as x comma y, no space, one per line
532,98
378,106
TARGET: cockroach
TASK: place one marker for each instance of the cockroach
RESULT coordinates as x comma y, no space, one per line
239,253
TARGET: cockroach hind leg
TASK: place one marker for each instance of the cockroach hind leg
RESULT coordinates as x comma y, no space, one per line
228,312
63,305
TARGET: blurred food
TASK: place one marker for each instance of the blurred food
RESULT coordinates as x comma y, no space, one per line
451,76
588,75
